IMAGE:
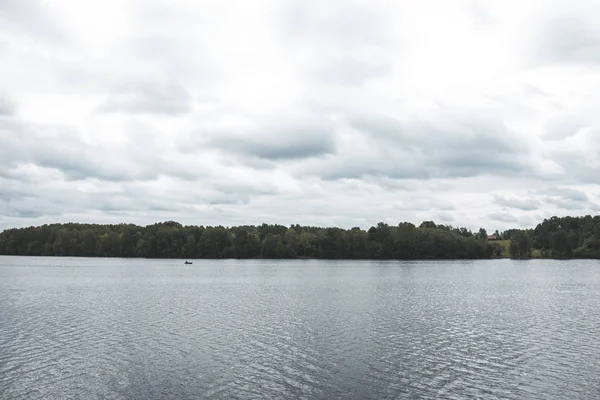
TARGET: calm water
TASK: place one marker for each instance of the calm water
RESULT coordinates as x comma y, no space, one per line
157,329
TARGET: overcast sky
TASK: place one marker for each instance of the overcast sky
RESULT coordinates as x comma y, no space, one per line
468,112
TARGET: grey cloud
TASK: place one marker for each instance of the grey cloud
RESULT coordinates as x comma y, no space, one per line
228,200
149,98
130,202
33,19
213,190
351,71
566,198
10,191
528,221
565,203
77,166
389,183
62,148
60,198
9,169
39,162
452,132
580,162
171,54
525,204
444,216
566,39
531,89
27,212
172,46
440,204
243,188
281,168
350,26
277,142
7,107
561,129
565,193
446,147
482,17
503,217
577,170
30,205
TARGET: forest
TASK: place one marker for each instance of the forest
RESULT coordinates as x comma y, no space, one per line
566,237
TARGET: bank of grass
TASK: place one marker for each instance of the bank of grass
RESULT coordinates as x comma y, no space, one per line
505,245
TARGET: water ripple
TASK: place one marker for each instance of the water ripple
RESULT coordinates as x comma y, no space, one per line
154,329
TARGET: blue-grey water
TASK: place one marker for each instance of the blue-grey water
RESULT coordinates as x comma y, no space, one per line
80,328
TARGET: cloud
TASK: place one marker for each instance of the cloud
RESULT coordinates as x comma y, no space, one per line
566,193
567,198
525,204
557,130
62,148
351,71
349,27
569,38
43,23
47,198
566,204
503,217
528,221
277,141
444,216
576,156
444,146
481,15
337,113
167,99
7,107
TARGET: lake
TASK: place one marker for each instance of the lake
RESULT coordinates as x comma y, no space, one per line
83,328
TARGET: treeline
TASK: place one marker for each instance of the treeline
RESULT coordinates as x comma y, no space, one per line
566,237
173,240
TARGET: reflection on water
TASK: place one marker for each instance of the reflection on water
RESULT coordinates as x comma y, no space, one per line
157,329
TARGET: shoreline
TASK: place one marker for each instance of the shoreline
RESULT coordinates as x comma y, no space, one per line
308,258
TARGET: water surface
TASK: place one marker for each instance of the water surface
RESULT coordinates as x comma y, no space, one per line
81,328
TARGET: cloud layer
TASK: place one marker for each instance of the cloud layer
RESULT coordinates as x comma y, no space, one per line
480,114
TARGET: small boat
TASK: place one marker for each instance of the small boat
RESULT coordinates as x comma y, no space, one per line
188,262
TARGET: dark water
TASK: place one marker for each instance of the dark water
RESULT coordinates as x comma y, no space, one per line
148,329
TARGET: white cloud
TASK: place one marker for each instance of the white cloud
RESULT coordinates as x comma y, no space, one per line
343,113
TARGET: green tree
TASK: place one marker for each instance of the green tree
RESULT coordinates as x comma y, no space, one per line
561,246
482,234
556,237
520,245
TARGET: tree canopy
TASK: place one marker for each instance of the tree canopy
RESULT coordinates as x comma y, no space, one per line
568,237
554,237
172,240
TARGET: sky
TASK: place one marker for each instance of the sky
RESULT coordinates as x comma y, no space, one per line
338,113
